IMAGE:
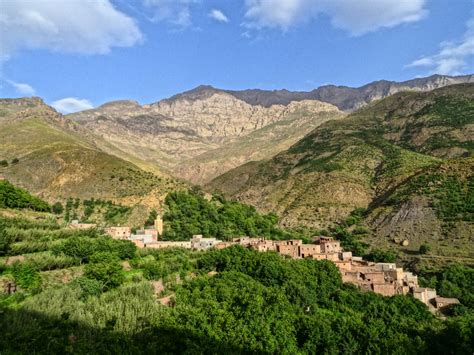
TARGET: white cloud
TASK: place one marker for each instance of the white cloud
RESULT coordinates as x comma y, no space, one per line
218,15
175,12
357,17
453,57
71,104
22,88
74,26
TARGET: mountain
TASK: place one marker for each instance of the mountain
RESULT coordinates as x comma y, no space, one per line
202,133
55,158
344,97
403,158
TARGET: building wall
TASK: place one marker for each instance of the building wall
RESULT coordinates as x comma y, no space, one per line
308,250
161,245
118,232
385,289
290,250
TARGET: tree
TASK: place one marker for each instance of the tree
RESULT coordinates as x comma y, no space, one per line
14,197
3,163
424,249
15,161
57,208
77,247
106,269
26,276
151,218
381,256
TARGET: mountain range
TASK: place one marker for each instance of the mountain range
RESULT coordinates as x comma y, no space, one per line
202,133
407,160
402,152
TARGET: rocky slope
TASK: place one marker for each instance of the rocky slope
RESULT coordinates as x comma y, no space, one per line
366,160
203,134
59,159
344,97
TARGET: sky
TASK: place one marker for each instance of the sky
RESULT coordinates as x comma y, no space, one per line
78,54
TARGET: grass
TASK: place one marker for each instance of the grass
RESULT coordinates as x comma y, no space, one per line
61,164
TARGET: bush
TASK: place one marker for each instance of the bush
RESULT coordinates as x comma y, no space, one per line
15,161
57,208
89,287
26,276
424,249
3,163
381,256
109,273
14,197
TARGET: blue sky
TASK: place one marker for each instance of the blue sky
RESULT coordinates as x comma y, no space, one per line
78,54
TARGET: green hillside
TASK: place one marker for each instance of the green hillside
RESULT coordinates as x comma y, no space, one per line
13,197
54,158
407,147
78,291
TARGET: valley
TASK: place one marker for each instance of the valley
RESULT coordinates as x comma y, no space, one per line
236,177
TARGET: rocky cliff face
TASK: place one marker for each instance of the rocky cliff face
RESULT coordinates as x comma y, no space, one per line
202,135
348,98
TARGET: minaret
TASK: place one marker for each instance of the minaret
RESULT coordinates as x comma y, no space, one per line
159,225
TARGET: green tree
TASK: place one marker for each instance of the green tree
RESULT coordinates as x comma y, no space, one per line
14,197
424,249
151,218
381,256
26,276
107,271
57,208
80,248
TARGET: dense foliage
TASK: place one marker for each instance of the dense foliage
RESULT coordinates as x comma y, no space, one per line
454,280
189,213
14,197
233,300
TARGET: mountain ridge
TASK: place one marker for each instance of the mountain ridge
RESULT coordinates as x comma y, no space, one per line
371,159
328,93
56,158
181,133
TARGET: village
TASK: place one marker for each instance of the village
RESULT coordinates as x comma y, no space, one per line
383,278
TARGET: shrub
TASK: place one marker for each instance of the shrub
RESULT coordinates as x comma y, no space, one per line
14,197
424,249
109,273
381,256
57,208
15,161
26,276
89,287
